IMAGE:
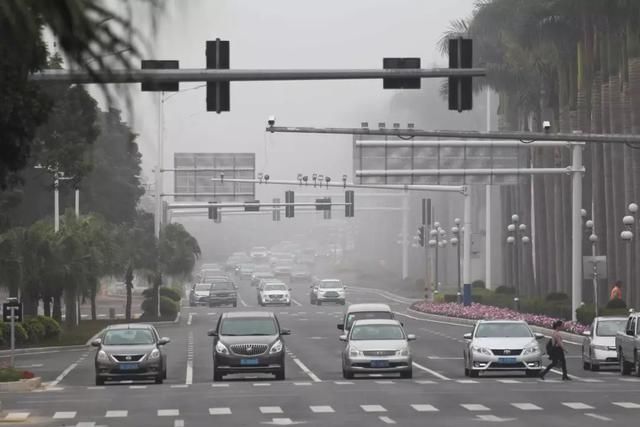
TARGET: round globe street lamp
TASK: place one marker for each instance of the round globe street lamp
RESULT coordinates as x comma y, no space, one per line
517,238
455,242
593,239
630,223
436,241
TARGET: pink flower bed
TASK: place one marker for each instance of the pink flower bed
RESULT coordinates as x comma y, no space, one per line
488,312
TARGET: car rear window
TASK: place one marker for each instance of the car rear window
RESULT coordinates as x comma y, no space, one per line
128,337
352,317
248,326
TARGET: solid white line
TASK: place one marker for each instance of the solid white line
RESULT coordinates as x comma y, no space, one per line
190,319
296,302
431,371
35,365
306,370
189,374
62,375
386,420
597,417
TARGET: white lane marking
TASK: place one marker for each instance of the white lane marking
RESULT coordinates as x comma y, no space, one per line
627,405
577,405
86,424
629,380
424,408
493,419
168,412
293,300
425,382
116,414
373,408
306,370
189,373
302,383
386,420
598,417
526,406
474,407
467,381
137,387
575,377
64,373
444,358
96,387
213,313
271,410
16,416
179,385
510,381
322,409
64,415
178,423
219,411
244,304
219,385
35,365
190,319
343,382
261,384
385,382
431,320
431,371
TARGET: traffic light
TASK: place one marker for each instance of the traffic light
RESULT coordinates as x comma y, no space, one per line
252,206
289,209
349,200
213,211
403,83
421,236
152,64
460,88
323,204
276,210
218,93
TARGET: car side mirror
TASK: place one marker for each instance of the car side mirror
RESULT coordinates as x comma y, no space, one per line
164,340
538,336
342,337
212,333
587,333
630,332
285,332
402,324
341,326
96,343
411,337
467,336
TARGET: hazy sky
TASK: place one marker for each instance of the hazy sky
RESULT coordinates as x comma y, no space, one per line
288,34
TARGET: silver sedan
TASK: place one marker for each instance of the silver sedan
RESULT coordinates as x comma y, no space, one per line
502,345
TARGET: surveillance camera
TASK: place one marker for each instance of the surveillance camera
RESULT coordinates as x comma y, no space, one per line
271,121
546,125
266,177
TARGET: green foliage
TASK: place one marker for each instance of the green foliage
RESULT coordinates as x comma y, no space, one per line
586,313
51,327
616,303
10,375
557,296
450,298
168,308
505,290
478,284
22,337
177,251
164,292
35,329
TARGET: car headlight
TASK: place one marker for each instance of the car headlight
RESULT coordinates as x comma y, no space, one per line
531,349
403,352
102,356
354,352
481,350
155,353
600,347
221,348
276,347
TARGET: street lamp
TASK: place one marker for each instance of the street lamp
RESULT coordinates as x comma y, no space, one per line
437,240
517,239
627,236
455,242
593,239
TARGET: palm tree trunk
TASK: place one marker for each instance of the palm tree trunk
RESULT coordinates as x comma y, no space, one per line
70,307
57,307
93,301
128,281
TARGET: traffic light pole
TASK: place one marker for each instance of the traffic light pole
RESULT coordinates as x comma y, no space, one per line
13,334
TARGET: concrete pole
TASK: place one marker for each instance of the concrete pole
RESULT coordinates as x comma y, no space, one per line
159,165
405,236
488,240
466,235
576,229
56,203
77,202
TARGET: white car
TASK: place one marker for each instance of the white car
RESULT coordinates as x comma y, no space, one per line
259,254
274,293
327,290
599,346
502,345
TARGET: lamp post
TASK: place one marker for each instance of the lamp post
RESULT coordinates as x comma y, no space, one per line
437,240
516,239
455,242
627,236
593,239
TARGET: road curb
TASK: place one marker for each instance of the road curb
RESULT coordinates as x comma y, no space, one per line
37,349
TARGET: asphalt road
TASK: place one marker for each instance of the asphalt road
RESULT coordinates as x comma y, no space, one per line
314,392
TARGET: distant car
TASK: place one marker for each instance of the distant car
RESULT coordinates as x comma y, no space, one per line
364,311
259,254
300,273
274,293
199,294
377,346
223,293
502,345
259,275
130,352
263,282
245,270
248,342
327,290
236,259
599,346
283,269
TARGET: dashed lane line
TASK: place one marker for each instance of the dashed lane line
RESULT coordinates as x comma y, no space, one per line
598,417
431,371
190,319
219,411
293,300
304,369
116,414
189,373
66,372
386,420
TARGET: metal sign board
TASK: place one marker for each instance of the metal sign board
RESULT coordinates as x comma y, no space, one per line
11,309
197,176
390,157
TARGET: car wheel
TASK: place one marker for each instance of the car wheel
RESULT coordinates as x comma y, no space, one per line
636,363
595,367
280,374
625,369
474,374
586,366
99,381
346,374
407,374
159,379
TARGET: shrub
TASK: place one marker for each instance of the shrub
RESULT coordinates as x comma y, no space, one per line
22,336
171,294
35,329
623,312
616,303
168,308
557,296
476,298
450,298
478,284
505,290
52,328
585,314
9,375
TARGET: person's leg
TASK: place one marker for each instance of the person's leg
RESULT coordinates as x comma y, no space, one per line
563,362
548,368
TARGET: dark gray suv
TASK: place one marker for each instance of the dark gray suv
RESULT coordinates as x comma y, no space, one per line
248,342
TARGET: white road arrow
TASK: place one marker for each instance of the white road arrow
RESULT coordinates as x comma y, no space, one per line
283,422
493,419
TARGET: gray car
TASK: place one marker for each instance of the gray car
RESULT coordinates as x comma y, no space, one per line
377,346
130,352
502,345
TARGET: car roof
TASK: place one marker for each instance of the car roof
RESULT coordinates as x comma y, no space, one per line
366,322
503,321
331,280
130,326
354,308
244,314
599,318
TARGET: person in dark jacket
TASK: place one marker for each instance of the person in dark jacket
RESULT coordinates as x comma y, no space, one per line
556,353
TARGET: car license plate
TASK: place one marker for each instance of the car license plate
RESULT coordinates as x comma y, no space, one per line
128,366
379,363
509,360
248,362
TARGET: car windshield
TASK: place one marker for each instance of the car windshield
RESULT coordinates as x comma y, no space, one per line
128,337
376,332
609,328
222,286
203,286
248,326
275,287
503,330
330,285
352,317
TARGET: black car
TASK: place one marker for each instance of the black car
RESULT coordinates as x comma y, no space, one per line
248,342
130,352
223,293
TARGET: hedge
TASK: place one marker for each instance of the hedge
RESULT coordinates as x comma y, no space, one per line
52,328
616,303
585,313
164,292
22,337
168,308
35,329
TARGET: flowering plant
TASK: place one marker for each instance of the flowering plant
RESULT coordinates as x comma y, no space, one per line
27,375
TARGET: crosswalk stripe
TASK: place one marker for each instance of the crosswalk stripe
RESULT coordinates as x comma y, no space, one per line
322,409
425,382
474,407
373,408
137,387
627,405
510,381
86,424
466,381
16,416
168,412
219,411
271,410
526,406
385,382
387,420
64,415
598,417
116,414
577,405
424,408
